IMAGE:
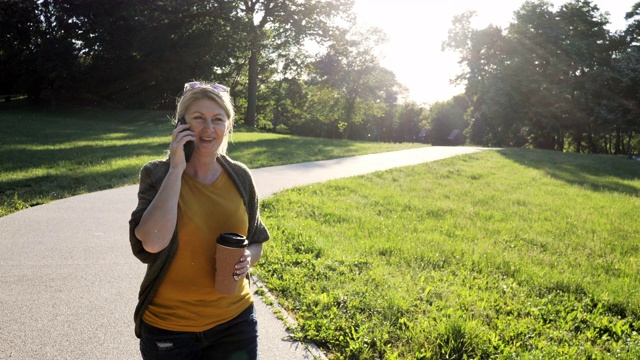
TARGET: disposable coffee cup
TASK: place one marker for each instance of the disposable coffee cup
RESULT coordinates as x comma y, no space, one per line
229,249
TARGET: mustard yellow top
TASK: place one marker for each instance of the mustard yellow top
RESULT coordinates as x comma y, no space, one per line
186,299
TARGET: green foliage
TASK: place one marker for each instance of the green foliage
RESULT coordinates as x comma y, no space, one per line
552,80
363,89
272,28
37,51
507,254
445,117
408,127
137,54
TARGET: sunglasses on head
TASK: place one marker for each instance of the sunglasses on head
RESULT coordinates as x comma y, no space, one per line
198,84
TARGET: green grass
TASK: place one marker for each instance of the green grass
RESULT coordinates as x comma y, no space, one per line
52,154
516,254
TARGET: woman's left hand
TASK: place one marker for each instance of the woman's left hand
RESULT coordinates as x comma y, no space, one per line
243,267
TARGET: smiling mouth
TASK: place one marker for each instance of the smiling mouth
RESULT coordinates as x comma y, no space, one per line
206,139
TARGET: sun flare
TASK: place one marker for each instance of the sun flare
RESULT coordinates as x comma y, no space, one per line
417,28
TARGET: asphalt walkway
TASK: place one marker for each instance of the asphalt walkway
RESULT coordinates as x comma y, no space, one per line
69,283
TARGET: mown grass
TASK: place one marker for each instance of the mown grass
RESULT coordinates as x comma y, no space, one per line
512,254
50,154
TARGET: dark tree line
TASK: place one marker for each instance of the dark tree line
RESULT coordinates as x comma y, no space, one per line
554,79
137,53
128,53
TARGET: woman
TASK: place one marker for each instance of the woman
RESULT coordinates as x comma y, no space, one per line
182,207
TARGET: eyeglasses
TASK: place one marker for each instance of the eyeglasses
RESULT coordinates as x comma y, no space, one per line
198,84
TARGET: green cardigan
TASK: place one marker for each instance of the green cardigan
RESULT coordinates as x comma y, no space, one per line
151,177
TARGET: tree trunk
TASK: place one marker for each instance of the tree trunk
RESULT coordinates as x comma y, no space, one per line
252,89
348,117
577,139
560,143
618,145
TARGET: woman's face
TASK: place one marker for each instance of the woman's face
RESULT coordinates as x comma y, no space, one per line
209,122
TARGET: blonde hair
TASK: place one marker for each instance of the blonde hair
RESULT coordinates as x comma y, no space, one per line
206,90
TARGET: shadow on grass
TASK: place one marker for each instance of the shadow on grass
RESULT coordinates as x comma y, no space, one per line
289,150
597,172
258,153
85,155
28,192
36,139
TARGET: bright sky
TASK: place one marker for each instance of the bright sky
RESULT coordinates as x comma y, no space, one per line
416,29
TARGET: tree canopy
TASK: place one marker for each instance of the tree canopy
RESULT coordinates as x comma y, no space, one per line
553,79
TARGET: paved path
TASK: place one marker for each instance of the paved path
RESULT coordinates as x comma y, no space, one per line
69,283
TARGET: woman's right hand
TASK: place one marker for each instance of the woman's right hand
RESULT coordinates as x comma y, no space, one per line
179,137
158,222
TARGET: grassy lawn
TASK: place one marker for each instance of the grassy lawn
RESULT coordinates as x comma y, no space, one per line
513,254
52,154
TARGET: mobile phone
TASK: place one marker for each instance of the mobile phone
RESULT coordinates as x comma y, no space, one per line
189,146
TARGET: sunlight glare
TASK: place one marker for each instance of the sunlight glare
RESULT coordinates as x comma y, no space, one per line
417,28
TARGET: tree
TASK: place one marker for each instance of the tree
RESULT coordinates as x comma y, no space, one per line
445,117
282,24
540,83
624,101
37,52
323,111
493,85
588,56
284,103
408,126
365,88
138,53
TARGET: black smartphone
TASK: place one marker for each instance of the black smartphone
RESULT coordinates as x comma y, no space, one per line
189,146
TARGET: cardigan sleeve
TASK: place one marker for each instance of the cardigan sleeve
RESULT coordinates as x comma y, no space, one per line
151,177
260,233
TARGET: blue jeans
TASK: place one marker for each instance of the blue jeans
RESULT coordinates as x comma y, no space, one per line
236,339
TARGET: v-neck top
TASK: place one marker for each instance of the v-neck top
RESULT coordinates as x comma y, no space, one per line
186,299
